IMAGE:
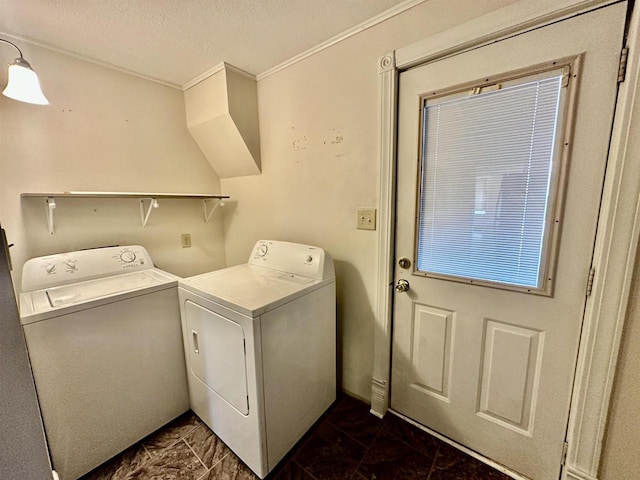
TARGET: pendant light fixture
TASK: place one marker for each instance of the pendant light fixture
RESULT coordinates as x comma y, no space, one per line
22,82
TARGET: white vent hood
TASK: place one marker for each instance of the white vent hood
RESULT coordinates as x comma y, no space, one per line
222,116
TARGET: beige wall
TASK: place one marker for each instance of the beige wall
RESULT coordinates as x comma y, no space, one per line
620,460
319,131
622,437
104,130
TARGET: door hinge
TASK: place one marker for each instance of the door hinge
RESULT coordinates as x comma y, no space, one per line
592,274
565,449
622,68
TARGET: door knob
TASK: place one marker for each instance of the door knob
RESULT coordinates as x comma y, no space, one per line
402,286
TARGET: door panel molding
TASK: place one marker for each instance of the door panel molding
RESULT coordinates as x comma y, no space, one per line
618,223
431,354
505,398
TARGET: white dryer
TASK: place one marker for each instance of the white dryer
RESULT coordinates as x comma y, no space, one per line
260,341
105,343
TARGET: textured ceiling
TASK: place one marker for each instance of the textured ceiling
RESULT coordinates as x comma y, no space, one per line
177,40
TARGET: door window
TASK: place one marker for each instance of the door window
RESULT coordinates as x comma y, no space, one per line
489,182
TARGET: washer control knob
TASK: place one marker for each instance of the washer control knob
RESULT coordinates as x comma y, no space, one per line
128,256
309,259
262,250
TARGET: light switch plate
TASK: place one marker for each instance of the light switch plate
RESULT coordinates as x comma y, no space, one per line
366,219
185,240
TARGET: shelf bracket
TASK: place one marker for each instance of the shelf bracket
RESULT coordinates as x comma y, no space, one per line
50,205
144,217
145,210
209,213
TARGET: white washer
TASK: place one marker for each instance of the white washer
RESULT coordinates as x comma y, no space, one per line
260,340
104,338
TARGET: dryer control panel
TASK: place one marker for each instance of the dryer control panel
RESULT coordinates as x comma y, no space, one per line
293,258
71,267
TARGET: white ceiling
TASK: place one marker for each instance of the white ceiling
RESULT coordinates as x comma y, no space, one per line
175,41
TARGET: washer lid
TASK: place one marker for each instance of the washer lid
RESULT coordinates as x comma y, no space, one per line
85,291
54,301
249,289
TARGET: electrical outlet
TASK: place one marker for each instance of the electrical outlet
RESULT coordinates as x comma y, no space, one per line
185,240
366,219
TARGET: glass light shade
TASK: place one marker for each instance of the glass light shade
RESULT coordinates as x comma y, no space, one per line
23,84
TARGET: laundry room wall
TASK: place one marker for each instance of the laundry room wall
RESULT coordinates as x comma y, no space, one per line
319,131
623,431
105,130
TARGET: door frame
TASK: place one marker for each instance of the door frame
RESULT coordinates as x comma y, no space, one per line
617,235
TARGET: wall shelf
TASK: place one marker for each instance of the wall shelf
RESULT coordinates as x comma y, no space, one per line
145,211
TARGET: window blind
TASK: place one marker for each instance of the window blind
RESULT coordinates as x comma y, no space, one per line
486,181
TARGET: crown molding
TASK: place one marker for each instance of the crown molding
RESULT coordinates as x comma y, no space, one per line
212,71
87,59
392,12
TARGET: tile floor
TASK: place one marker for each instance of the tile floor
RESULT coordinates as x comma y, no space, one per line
347,443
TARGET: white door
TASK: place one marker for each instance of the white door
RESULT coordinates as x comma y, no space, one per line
499,226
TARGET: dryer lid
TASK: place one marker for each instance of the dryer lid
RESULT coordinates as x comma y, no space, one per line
249,289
